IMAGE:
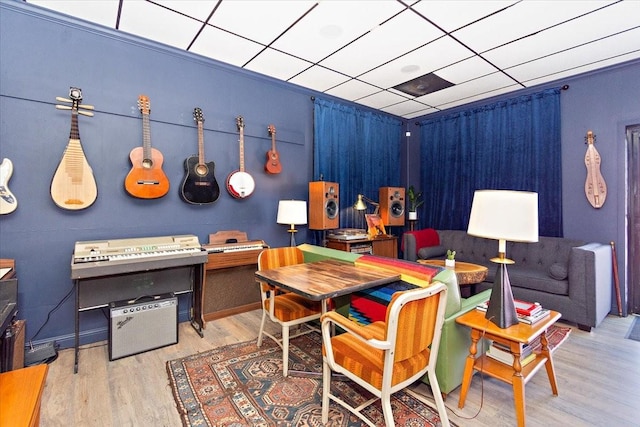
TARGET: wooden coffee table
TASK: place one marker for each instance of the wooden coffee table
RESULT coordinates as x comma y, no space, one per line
466,272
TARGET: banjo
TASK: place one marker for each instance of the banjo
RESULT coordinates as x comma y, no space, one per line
239,183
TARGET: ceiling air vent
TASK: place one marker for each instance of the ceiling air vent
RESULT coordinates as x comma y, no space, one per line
423,85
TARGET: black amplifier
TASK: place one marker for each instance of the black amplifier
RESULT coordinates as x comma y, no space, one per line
143,324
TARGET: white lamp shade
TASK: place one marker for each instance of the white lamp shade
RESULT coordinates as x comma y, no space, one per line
292,212
504,215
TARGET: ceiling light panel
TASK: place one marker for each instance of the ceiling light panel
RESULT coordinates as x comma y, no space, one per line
157,23
401,34
260,20
579,56
103,12
277,64
333,24
427,59
521,19
610,20
225,47
451,15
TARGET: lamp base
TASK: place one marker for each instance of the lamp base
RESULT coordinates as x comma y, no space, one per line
502,310
292,241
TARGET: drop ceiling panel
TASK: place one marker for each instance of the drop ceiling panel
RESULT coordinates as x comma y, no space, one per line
333,24
103,12
197,9
402,33
479,96
259,20
319,78
225,47
152,22
406,107
352,90
451,15
468,89
519,20
381,99
277,64
440,53
469,69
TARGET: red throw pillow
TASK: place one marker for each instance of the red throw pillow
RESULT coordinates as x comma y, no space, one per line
424,238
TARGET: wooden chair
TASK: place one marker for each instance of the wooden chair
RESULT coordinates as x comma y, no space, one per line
285,308
384,357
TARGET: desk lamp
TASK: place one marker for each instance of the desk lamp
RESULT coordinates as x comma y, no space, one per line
360,204
503,215
292,212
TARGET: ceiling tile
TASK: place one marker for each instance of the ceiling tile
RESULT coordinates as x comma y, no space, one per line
153,22
381,99
615,18
521,19
401,34
479,96
259,20
352,90
225,47
333,24
103,12
591,53
468,69
465,90
451,15
429,58
319,78
198,9
407,107
277,64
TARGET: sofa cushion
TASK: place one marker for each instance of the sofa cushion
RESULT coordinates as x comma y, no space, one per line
431,252
529,278
424,238
558,271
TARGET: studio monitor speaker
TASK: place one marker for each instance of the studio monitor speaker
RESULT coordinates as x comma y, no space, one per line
391,201
135,327
324,205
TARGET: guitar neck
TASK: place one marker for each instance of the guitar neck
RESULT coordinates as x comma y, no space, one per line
75,132
146,137
241,149
200,142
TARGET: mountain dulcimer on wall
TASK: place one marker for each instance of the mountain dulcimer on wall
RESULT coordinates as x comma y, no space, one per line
594,187
73,186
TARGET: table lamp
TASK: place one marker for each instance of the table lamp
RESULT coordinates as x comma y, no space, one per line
292,212
503,215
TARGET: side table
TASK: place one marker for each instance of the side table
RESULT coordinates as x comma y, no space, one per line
466,272
515,337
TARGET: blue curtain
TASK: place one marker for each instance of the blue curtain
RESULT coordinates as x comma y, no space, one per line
360,150
512,144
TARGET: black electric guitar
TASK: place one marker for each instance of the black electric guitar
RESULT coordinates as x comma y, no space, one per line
199,186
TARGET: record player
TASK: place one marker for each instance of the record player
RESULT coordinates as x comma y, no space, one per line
348,234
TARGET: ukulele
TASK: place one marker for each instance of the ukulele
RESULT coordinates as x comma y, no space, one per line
239,183
146,179
8,202
199,186
273,165
73,186
594,187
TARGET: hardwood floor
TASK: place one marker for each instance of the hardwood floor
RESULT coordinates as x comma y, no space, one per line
598,377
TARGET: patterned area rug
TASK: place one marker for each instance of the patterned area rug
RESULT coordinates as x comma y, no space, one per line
242,385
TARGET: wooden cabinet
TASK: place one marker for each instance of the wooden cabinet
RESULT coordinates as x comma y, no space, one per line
382,246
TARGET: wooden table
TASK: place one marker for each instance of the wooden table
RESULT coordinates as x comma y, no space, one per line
20,396
322,280
514,337
466,272
380,245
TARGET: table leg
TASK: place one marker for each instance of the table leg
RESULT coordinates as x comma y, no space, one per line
468,367
518,384
551,373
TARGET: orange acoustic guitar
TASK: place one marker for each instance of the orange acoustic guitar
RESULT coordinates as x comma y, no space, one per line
73,186
594,187
273,164
146,180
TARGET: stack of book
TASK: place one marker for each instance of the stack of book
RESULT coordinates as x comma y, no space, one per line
528,312
502,353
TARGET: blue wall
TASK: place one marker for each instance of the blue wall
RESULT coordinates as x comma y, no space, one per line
42,56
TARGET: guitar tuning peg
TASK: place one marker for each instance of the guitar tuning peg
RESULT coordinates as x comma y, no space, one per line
61,99
86,107
63,107
86,113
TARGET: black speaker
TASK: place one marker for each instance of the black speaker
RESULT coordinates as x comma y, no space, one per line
141,325
324,205
391,201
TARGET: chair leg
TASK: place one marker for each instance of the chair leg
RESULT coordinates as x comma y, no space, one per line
264,320
385,401
437,396
326,387
285,350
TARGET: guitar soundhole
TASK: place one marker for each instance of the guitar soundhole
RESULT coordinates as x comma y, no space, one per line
147,163
202,170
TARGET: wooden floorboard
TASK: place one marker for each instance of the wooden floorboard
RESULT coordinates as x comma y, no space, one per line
598,377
